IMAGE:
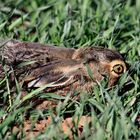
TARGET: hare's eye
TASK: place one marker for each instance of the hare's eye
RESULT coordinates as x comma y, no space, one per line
119,69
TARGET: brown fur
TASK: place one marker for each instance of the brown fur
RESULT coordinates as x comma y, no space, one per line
61,66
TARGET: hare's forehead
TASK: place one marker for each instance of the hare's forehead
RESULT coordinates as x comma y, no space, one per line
107,55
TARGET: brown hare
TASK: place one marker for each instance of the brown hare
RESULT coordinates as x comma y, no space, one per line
61,66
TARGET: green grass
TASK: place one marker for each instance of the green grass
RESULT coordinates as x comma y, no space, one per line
76,23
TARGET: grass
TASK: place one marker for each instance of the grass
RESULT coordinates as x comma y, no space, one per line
113,24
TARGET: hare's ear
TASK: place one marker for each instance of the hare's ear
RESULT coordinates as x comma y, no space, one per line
48,79
56,73
53,82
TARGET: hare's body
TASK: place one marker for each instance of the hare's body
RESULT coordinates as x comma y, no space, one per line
16,52
61,66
